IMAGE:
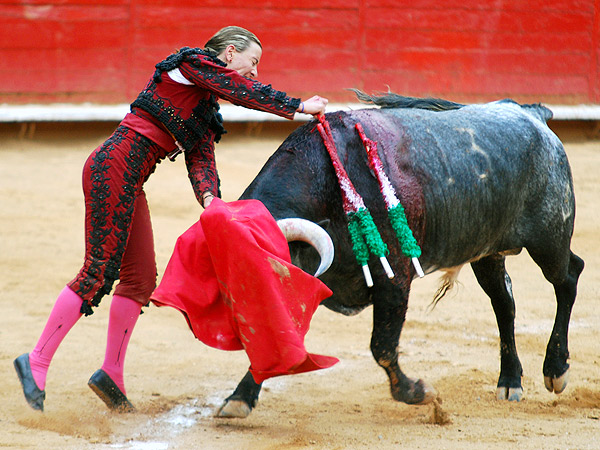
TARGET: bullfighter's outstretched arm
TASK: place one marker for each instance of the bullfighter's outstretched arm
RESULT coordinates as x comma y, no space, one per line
229,85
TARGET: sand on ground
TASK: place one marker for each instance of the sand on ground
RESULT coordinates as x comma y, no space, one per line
177,383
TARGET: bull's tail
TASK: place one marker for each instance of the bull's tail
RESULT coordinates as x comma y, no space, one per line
447,281
391,100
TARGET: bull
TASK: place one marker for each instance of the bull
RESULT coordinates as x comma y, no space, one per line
477,182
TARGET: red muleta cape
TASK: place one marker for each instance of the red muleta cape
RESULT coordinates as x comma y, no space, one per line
231,276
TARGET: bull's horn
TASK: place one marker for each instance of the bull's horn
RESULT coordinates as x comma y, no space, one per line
296,229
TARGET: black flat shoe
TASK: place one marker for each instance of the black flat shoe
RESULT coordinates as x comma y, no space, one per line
105,388
33,394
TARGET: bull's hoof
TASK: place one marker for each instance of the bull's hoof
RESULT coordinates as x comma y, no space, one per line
557,384
510,394
430,393
234,409
420,393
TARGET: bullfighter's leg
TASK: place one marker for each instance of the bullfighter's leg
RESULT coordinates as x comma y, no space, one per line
389,311
565,287
244,398
492,277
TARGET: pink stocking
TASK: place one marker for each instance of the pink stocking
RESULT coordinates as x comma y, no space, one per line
124,313
64,315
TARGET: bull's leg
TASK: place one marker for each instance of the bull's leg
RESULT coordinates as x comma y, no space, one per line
388,318
557,352
244,398
491,275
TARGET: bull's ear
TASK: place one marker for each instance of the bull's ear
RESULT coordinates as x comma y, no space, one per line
324,224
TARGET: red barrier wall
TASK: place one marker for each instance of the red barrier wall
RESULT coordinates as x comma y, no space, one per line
104,51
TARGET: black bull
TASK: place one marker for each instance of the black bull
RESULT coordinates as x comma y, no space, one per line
477,182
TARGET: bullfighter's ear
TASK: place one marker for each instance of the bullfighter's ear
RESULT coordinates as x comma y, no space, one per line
324,224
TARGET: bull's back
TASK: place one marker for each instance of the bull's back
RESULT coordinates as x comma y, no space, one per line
486,172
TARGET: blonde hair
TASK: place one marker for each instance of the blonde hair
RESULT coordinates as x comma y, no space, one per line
239,37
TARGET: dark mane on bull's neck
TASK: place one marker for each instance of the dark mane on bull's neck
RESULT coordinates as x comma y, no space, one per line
391,100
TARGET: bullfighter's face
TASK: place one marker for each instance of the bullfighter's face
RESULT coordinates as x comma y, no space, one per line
245,62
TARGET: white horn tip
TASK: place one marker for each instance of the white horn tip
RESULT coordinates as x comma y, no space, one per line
296,229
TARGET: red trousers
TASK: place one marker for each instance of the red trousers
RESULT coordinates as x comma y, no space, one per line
119,242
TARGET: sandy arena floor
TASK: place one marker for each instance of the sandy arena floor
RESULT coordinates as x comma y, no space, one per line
177,383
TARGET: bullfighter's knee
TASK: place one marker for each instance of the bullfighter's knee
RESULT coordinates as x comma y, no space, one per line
138,289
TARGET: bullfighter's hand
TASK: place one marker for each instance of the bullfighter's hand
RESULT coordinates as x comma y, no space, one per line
314,105
207,197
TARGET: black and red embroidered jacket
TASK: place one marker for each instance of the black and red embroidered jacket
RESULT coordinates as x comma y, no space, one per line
190,112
